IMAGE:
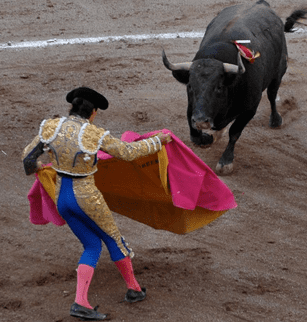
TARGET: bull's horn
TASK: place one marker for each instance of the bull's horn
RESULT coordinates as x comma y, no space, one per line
173,67
235,69
231,68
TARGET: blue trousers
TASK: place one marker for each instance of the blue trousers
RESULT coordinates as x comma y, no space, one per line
86,230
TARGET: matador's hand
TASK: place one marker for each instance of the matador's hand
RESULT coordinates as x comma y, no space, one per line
164,138
39,165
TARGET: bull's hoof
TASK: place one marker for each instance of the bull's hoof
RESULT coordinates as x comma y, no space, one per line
203,140
275,121
224,170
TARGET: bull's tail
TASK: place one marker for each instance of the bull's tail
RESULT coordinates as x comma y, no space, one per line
294,18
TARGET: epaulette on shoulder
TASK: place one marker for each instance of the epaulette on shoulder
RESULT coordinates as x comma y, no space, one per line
49,129
91,138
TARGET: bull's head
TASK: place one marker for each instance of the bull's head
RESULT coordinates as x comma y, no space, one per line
208,84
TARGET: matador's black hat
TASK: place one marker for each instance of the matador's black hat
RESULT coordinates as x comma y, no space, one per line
98,100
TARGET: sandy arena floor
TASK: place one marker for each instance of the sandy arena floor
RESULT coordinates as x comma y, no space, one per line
249,265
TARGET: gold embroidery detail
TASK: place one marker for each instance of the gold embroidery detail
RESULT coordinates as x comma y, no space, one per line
49,128
127,151
91,137
91,201
57,188
65,153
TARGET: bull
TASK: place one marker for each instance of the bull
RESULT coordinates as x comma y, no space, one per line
221,87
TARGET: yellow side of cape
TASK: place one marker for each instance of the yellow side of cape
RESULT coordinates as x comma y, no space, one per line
140,190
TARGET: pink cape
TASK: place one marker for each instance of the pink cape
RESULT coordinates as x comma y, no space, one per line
192,183
42,208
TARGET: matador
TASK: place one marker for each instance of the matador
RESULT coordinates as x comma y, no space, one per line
72,144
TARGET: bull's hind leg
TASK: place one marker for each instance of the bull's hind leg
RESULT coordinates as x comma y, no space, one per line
275,118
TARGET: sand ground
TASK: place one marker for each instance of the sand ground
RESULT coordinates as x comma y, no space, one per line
248,265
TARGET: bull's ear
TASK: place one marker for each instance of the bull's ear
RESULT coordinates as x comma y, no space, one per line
182,76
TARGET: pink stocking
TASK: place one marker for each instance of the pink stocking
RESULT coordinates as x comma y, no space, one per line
84,277
125,268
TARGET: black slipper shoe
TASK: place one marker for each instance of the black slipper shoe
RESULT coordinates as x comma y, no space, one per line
135,296
86,314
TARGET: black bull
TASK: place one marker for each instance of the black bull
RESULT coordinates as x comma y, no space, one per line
220,87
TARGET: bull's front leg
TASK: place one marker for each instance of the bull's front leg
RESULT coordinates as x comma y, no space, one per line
225,164
197,136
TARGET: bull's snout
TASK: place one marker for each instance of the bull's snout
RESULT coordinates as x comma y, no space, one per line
200,118
201,122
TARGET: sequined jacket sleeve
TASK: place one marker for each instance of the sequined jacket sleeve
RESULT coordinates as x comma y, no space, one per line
30,155
130,151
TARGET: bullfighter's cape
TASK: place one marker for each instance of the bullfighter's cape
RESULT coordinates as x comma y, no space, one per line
172,190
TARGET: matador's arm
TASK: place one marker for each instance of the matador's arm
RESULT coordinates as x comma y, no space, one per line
30,155
130,151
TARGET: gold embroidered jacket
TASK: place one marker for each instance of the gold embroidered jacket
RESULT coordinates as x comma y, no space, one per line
73,143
